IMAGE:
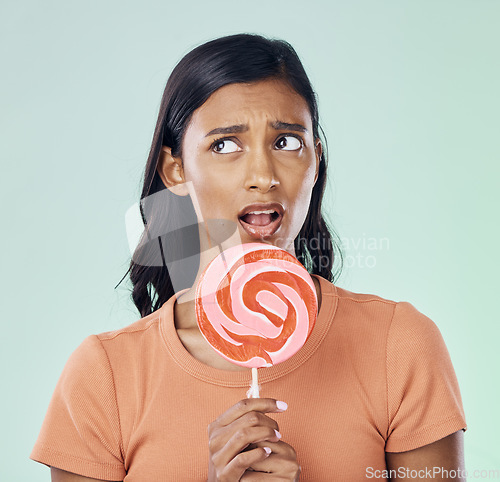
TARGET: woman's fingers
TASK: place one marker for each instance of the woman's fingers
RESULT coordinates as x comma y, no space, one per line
282,461
241,439
220,435
250,476
279,448
277,465
235,469
235,433
263,405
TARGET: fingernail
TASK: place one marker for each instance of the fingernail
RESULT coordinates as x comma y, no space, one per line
268,450
277,434
281,405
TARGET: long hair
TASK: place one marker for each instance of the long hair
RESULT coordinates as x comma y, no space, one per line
240,58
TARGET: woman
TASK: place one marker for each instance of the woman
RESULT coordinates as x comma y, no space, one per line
373,388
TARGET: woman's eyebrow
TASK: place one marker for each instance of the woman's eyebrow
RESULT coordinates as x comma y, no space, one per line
237,128
279,125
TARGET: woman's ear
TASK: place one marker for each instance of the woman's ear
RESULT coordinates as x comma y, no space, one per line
171,172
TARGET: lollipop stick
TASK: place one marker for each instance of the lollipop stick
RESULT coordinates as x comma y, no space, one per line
254,387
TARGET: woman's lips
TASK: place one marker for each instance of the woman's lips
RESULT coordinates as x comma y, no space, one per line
262,231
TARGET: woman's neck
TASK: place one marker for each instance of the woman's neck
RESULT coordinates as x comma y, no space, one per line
184,307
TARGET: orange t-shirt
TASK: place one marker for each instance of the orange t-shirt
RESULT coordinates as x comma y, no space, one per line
374,376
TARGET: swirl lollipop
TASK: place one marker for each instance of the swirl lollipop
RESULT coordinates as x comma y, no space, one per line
256,306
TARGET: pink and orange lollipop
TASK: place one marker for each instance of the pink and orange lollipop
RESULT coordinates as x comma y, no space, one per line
256,305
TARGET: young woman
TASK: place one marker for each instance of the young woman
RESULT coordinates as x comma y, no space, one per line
237,154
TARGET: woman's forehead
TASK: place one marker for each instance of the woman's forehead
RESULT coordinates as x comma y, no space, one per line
244,104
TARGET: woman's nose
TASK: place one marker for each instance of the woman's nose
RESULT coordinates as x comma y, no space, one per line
260,173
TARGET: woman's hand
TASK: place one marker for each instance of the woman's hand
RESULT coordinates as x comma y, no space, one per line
244,444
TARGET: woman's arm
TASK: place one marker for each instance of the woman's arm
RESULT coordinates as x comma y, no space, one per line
58,475
443,459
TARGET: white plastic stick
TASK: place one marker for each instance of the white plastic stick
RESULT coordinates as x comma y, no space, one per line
253,392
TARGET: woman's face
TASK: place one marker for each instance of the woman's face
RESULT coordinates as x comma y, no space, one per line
251,157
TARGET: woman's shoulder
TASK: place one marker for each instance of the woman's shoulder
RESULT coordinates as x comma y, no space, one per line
362,307
112,355
138,326
119,344
358,297
332,289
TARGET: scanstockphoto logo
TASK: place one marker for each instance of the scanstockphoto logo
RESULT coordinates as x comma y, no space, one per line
362,252
431,473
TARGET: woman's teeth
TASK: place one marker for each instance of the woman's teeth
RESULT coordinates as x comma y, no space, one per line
261,224
259,218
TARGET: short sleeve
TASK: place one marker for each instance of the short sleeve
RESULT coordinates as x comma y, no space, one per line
81,429
423,397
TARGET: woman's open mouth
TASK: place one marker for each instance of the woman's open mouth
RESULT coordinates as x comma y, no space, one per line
261,221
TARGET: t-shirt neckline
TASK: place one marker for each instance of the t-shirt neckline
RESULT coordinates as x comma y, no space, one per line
242,378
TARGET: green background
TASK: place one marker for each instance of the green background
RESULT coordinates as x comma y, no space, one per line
408,96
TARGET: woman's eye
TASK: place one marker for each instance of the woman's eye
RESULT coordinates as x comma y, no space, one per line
225,146
289,143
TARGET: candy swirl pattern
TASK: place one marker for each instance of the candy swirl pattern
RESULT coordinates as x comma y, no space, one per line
256,305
